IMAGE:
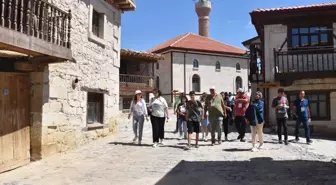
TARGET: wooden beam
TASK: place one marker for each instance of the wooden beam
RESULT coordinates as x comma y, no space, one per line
268,85
46,59
24,66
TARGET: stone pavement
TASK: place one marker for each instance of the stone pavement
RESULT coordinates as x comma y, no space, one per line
115,161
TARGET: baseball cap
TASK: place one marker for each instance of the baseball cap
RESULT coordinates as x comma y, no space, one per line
240,90
213,87
137,92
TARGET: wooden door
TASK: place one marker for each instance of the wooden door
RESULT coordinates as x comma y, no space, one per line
14,121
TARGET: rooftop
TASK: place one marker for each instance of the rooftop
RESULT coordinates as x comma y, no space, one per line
191,41
311,7
146,56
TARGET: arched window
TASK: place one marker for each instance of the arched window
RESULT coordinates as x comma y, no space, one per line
218,66
238,67
195,64
196,83
239,82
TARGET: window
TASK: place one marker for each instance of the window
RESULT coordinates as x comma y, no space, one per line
218,66
239,82
318,104
96,25
97,20
238,67
310,36
196,83
195,64
95,108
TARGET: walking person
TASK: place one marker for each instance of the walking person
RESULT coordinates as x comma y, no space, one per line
194,118
254,117
178,100
280,105
227,118
181,111
230,103
217,111
205,122
139,112
241,104
159,114
302,111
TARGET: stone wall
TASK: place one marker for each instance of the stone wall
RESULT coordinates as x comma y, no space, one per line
61,123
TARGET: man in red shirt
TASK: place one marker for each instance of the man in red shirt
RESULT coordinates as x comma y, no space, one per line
241,104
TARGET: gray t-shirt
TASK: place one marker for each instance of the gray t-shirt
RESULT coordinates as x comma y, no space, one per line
280,113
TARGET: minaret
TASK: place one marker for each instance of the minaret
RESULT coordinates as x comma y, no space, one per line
203,9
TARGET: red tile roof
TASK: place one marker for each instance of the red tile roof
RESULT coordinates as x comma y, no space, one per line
321,6
192,41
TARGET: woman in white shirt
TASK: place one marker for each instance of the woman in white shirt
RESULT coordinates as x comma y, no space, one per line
139,112
159,113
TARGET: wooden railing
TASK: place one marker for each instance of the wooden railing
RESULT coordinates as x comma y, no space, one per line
37,18
305,62
136,81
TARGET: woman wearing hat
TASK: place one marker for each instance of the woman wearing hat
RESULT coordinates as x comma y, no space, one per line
254,117
139,112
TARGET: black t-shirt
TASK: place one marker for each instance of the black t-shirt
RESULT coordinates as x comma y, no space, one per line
195,110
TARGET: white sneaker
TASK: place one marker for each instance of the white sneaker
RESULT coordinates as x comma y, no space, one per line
261,146
155,145
180,138
161,142
254,149
135,138
206,139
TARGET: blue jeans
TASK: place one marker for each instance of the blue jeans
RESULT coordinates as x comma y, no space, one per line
305,123
138,123
182,127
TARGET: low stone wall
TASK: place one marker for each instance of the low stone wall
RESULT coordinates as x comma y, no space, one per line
49,140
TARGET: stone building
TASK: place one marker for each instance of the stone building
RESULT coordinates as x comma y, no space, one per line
197,62
66,53
296,50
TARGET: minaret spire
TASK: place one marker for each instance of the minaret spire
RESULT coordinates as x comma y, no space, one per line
203,9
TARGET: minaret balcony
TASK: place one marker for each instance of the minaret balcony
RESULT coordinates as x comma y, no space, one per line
203,4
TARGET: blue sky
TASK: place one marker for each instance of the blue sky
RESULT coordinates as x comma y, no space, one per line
156,21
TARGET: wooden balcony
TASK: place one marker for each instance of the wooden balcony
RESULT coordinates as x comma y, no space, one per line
35,28
124,5
302,64
136,82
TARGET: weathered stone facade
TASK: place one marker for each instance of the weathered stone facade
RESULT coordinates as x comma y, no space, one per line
59,109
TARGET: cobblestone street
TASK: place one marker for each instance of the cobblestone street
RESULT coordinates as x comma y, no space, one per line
115,161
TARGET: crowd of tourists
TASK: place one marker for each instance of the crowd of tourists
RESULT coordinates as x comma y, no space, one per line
213,113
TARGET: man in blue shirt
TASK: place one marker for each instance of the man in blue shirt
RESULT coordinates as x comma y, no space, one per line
301,109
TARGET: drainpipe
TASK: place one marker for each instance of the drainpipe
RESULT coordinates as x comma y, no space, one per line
184,72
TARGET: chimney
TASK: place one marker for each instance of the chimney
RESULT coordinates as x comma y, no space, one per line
203,9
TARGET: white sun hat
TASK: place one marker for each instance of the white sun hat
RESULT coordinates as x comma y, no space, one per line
137,92
213,87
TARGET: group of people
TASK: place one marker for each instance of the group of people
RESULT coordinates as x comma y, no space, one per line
214,112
